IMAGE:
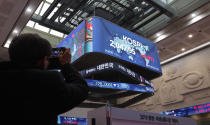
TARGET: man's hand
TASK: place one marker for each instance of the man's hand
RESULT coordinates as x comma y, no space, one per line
64,57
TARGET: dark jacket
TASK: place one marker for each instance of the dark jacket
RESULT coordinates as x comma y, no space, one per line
36,97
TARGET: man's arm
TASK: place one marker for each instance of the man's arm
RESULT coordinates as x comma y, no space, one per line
75,84
74,80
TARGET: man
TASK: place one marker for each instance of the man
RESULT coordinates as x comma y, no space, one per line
31,94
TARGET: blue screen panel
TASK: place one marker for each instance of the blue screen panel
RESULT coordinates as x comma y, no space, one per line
118,67
115,41
71,120
75,41
119,86
192,110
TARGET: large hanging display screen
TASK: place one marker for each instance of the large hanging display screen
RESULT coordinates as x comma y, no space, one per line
98,36
123,44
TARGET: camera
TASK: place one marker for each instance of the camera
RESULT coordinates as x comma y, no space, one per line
54,62
56,51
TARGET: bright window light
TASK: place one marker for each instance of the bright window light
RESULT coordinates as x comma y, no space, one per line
56,20
50,1
15,31
41,28
62,19
164,1
52,13
167,1
30,23
65,35
56,33
170,1
58,5
7,45
38,9
44,8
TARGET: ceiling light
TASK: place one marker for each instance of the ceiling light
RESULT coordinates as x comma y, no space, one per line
193,15
158,34
7,43
161,37
183,49
190,35
197,18
29,10
15,31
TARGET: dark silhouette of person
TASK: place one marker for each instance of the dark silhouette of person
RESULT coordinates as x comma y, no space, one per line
31,94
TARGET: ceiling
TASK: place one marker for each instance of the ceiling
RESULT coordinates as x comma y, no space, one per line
148,18
65,15
185,34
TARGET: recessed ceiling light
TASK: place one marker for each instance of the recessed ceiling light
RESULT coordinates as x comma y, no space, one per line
158,34
9,41
183,49
29,10
190,35
15,31
193,15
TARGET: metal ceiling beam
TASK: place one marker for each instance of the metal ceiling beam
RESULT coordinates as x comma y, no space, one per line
79,7
137,20
169,11
146,22
129,22
58,12
122,5
50,9
52,25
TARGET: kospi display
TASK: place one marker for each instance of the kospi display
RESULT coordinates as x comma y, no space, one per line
97,40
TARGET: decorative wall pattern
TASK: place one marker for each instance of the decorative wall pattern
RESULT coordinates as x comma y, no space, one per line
185,82
193,80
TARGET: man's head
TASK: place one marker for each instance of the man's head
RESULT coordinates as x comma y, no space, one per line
30,50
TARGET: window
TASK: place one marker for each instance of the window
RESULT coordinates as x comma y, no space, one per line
7,45
39,8
42,28
167,1
56,33
44,8
51,14
30,23
50,1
